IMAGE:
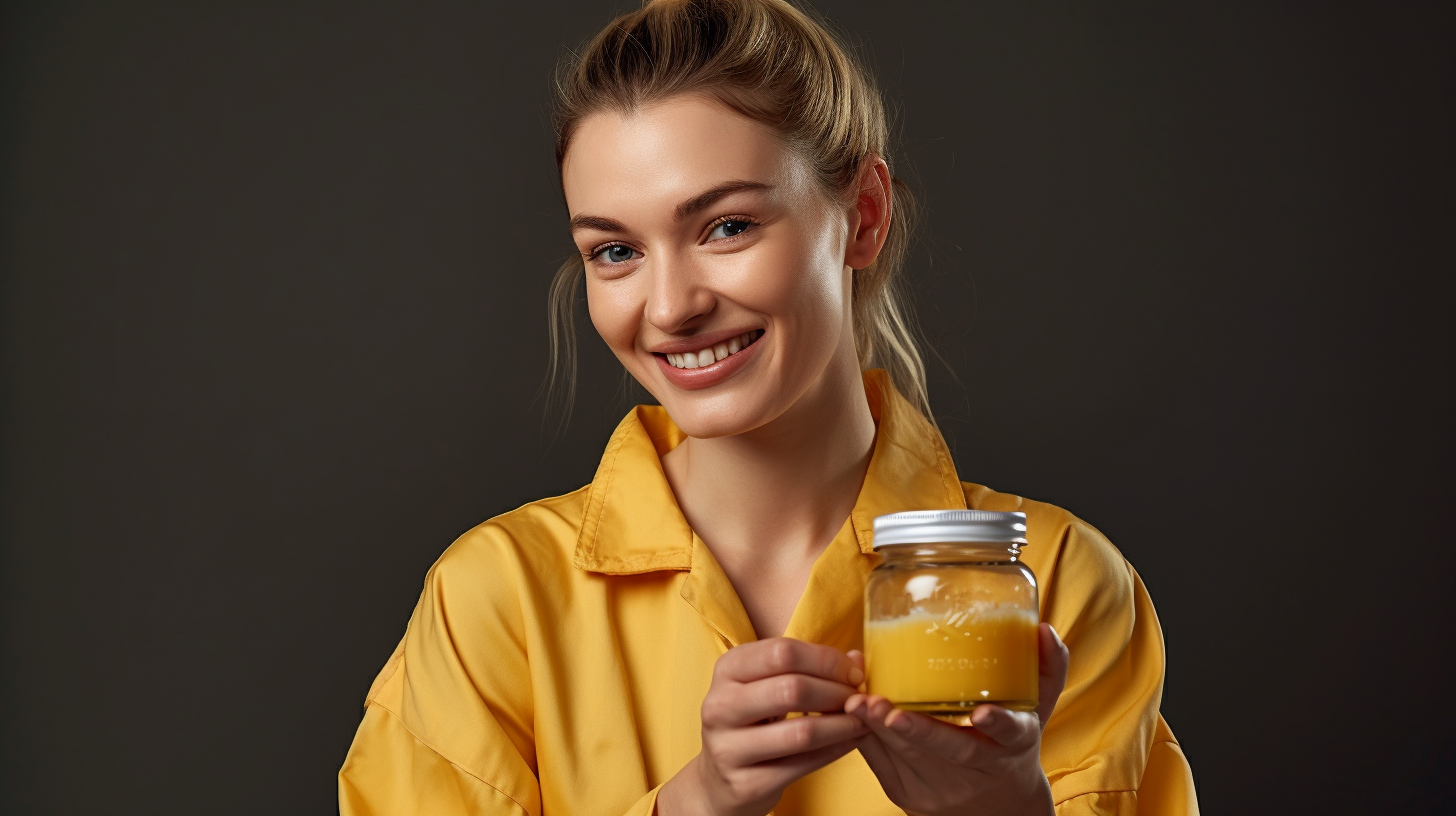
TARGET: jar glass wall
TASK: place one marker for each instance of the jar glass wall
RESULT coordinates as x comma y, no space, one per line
952,624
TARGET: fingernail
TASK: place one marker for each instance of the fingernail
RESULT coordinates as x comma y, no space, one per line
855,676
983,716
901,726
853,703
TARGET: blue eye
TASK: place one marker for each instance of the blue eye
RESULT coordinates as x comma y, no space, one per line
730,228
616,253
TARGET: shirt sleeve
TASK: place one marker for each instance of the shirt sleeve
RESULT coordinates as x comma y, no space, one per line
451,723
389,771
1106,748
448,724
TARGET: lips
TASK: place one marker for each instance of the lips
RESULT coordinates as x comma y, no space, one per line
709,355
710,364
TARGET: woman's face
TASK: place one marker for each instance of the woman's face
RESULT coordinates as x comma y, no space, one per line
715,266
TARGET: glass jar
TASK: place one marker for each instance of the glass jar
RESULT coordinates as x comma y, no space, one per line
951,614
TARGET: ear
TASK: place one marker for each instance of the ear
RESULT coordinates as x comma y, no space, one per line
869,217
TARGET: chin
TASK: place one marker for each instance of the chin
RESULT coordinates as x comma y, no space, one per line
713,418
713,426
727,412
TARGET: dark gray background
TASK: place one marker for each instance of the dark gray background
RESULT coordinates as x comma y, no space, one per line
272,314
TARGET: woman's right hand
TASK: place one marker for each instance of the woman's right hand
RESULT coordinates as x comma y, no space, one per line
750,752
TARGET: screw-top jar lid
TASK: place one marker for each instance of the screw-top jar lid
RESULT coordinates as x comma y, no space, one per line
930,526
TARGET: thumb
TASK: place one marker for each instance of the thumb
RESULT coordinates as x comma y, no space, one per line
1052,670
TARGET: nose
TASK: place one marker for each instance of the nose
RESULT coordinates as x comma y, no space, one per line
679,296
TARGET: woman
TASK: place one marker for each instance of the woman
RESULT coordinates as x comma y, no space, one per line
642,645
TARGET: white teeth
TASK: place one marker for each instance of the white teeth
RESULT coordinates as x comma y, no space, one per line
712,354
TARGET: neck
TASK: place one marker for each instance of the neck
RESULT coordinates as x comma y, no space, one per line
778,494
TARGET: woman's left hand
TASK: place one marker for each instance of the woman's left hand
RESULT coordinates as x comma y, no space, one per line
931,768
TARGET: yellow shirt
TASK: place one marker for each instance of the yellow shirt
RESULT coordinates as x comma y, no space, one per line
559,654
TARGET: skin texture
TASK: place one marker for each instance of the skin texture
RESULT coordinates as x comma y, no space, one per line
776,451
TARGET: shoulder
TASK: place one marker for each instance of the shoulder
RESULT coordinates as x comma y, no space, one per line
1096,743
480,594
1074,563
539,532
533,542
1049,528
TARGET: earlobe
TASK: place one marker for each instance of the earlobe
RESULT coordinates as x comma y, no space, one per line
870,214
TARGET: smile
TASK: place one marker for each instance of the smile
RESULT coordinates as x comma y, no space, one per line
712,354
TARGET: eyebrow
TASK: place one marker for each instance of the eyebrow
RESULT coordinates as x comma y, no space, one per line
696,204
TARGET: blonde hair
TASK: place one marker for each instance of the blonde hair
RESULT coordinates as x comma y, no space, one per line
779,66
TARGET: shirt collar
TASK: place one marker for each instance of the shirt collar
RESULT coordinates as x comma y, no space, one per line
633,523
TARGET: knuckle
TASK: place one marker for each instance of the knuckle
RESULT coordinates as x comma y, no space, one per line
1002,766
781,655
712,711
964,755
789,689
724,751
720,668
798,736
716,753
748,787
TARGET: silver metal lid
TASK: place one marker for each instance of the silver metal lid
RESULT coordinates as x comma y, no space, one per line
930,526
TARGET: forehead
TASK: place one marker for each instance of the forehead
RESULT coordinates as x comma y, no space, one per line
661,154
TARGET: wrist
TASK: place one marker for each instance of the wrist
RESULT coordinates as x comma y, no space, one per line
1033,797
690,792
687,793
1033,791
681,795
1039,798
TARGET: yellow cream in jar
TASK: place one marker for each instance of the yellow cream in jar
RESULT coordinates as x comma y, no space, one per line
948,664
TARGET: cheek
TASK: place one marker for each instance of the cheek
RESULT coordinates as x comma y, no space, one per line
612,315
818,290
797,282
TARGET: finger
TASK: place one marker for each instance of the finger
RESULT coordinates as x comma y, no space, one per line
897,732
1053,660
918,735
857,658
790,768
781,655
1011,729
878,757
798,735
858,706
774,697
777,774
